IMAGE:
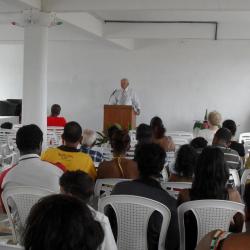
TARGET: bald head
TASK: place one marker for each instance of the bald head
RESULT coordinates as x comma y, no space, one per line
124,83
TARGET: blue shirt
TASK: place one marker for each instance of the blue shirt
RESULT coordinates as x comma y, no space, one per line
95,155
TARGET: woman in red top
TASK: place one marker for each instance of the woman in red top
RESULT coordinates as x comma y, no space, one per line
54,119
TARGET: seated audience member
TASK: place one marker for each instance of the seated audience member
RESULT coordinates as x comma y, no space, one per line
221,240
30,170
159,137
111,130
150,160
222,140
144,134
80,185
68,155
198,143
119,167
239,147
54,119
6,125
210,178
88,141
184,164
214,121
61,222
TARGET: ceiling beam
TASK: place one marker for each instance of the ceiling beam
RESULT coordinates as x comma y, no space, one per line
88,5
93,27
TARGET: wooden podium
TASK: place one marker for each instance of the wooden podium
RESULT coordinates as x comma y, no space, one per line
121,114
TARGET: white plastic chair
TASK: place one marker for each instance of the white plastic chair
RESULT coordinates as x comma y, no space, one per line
4,246
234,175
23,199
244,178
58,131
181,135
133,214
104,187
174,188
244,137
210,215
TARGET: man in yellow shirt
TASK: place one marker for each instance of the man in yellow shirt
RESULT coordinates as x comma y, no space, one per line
68,155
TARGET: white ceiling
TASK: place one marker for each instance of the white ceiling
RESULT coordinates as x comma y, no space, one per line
84,19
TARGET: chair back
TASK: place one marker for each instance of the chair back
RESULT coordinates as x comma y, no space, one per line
234,177
244,178
210,215
174,188
104,187
8,136
4,246
244,137
58,132
52,139
181,135
133,214
22,199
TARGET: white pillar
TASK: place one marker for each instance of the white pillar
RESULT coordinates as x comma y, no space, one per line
34,103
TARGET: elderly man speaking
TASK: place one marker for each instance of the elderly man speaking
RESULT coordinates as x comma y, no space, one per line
125,96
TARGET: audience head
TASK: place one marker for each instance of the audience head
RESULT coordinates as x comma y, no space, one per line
150,159
111,130
124,83
144,134
214,118
230,125
7,125
198,143
211,175
62,222
55,110
29,139
120,142
72,134
88,138
78,184
222,137
186,161
157,127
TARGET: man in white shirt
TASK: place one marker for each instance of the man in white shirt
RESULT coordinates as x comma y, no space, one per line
126,96
31,171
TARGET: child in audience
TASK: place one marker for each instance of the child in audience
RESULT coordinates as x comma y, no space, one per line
210,178
150,159
80,185
61,222
144,134
88,141
184,164
68,154
219,240
54,119
119,167
159,136
214,121
198,143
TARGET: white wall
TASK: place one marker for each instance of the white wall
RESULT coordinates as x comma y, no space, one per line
175,80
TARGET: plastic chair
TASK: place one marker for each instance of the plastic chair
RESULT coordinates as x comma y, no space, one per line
4,246
104,187
58,132
133,214
181,135
174,188
244,178
244,137
234,176
23,199
210,215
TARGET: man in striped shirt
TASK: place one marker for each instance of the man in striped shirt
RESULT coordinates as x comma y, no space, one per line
222,140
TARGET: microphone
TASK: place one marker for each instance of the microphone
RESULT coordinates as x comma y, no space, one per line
112,94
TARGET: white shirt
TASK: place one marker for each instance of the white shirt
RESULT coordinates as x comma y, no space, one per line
207,134
126,97
109,241
33,172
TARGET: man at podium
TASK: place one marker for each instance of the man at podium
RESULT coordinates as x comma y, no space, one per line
125,96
